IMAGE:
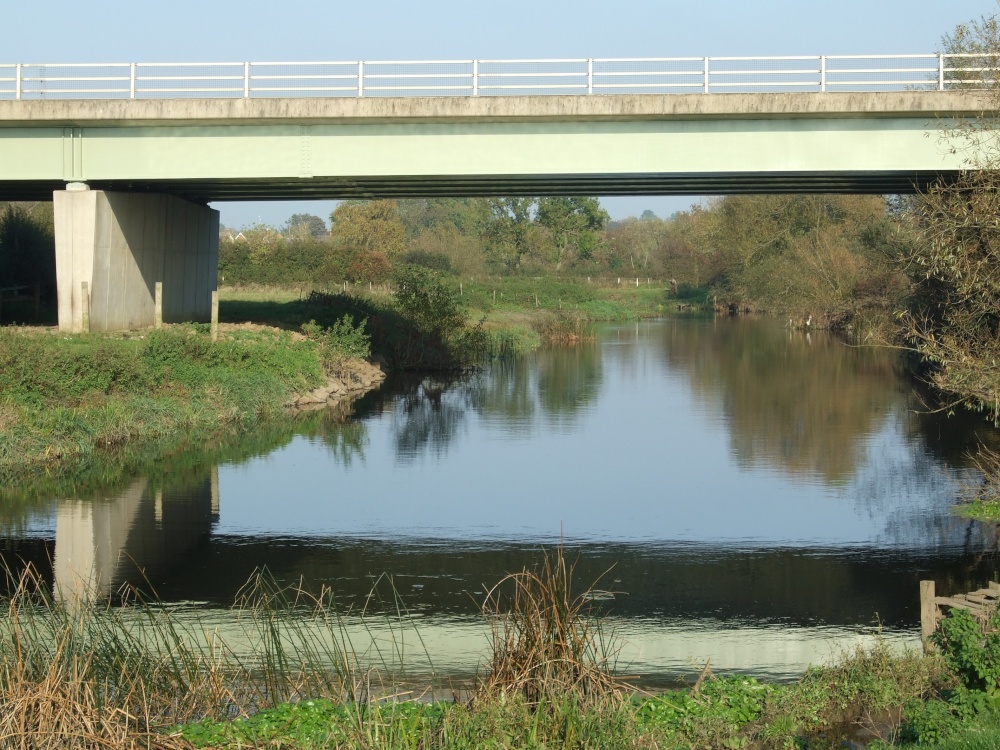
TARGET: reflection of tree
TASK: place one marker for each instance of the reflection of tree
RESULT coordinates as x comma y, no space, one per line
800,402
505,390
428,415
345,437
569,378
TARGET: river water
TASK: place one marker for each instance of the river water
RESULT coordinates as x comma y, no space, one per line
760,497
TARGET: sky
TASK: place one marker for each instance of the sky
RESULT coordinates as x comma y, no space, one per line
324,30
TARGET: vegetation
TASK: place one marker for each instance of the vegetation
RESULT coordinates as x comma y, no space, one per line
71,398
27,259
285,674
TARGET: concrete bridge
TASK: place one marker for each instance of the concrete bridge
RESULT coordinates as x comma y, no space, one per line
131,178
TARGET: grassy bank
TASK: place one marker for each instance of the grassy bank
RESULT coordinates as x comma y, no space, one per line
147,675
75,401
514,314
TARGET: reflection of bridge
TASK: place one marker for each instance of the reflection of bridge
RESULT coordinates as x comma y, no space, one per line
104,542
162,538
761,610
131,174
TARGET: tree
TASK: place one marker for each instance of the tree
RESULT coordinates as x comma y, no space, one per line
953,320
505,228
371,233
27,245
574,224
305,225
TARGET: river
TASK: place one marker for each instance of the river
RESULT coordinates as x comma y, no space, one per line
760,497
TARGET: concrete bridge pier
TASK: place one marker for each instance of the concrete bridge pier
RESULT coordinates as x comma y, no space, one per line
121,244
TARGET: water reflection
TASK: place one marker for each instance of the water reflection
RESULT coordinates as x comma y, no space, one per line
802,403
133,537
757,497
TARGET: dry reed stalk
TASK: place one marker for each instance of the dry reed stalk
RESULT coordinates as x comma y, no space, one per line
62,710
546,643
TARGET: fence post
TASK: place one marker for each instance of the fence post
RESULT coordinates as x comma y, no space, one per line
475,77
940,71
17,94
361,78
706,75
246,80
822,73
131,81
928,614
158,305
590,76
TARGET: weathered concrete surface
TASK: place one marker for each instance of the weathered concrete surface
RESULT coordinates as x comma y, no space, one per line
121,244
489,109
247,149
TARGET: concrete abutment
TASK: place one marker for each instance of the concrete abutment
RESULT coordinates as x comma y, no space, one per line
121,244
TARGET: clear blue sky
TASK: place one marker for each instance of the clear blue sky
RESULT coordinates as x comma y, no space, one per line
252,30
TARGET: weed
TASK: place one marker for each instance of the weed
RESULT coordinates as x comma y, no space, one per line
546,641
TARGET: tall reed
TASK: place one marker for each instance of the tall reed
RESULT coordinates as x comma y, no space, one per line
546,641
76,674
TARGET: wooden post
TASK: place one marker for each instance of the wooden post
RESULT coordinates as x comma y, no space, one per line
928,614
215,315
158,306
84,307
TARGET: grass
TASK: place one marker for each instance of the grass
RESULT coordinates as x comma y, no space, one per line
140,675
73,400
516,314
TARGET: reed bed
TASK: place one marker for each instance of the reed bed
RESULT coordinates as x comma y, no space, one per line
84,675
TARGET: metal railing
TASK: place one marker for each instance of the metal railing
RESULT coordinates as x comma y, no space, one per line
496,77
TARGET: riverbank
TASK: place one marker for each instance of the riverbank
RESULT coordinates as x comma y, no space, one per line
515,314
92,677
68,401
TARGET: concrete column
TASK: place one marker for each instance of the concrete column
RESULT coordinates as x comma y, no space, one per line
121,244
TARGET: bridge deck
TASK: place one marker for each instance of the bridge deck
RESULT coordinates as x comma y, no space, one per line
233,149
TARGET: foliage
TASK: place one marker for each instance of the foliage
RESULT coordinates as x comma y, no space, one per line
971,649
437,335
342,340
305,225
371,233
506,231
954,316
575,224
952,320
73,396
27,247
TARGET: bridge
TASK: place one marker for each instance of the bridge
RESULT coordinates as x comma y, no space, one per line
133,153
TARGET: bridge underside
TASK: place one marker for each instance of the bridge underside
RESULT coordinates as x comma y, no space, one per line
140,173
327,188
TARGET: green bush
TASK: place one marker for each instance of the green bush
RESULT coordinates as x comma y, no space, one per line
971,650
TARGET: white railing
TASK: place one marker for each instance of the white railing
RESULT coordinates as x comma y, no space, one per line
495,77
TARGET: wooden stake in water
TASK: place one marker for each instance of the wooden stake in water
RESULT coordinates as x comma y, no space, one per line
928,614
85,307
158,305
215,315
